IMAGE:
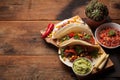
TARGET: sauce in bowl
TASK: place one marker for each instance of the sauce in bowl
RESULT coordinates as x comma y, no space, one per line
109,37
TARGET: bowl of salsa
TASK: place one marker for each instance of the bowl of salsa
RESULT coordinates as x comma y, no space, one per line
108,35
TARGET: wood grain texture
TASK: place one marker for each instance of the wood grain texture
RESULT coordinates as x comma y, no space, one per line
33,68
50,9
24,38
25,56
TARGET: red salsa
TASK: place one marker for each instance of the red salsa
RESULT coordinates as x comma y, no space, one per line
110,37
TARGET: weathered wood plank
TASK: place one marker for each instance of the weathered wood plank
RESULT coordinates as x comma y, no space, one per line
34,68
114,9
14,10
24,38
116,21
50,9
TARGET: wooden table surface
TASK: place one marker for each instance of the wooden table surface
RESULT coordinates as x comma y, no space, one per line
25,56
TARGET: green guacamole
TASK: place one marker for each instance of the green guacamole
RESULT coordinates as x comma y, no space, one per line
82,66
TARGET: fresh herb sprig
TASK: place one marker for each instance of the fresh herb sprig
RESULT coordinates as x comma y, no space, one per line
111,33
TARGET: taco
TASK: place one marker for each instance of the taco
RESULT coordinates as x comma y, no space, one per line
75,31
62,25
75,49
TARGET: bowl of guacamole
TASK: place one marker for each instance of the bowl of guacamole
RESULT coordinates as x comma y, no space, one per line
82,66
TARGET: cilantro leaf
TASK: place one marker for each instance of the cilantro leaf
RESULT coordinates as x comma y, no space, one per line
111,33
87,36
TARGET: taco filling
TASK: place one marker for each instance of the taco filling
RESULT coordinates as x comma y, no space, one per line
76,51
78,35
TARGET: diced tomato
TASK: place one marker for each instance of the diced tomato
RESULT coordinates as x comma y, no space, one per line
71,34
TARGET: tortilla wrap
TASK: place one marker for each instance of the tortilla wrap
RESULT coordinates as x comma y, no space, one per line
62,24
73,27
77,42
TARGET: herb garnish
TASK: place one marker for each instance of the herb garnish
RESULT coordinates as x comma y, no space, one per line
62,52
76,37
79,49
65,38
111,33
87,36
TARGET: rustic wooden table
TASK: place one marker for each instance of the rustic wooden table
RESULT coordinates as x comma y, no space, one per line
25,56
